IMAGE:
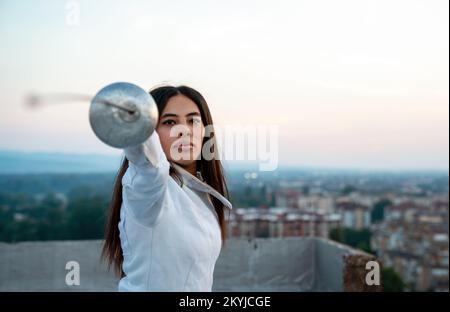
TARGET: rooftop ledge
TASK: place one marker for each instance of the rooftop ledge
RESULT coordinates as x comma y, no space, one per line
259,264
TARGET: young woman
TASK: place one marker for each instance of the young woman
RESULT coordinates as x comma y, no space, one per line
166,222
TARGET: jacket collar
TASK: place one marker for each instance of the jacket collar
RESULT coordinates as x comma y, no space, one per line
199,185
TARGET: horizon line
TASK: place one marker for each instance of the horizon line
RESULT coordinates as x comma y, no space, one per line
241,164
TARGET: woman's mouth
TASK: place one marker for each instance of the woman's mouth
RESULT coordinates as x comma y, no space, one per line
185,146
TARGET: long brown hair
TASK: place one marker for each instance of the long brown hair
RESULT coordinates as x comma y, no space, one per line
211,171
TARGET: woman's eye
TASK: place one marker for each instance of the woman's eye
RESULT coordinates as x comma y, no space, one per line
169,122
196,121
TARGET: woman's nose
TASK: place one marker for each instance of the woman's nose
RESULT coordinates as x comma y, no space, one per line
184,130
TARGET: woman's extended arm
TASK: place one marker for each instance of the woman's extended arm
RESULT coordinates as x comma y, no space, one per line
145,181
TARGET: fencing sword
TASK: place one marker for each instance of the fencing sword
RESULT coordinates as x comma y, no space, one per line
121,114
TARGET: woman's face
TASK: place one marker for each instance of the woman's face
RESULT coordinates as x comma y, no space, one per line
181,130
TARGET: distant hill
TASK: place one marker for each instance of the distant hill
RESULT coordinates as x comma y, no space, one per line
18,162
14,162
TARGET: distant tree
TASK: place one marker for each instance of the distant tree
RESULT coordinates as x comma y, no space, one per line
359,239
365,246
49,218
305,190
337,234
25,230
86,218
263,191
378,210
273,199
392,282
6,231
348,189
81,191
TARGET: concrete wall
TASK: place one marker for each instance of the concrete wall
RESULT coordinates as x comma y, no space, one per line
273,264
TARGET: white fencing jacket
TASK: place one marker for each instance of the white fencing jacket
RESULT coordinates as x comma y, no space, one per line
170,235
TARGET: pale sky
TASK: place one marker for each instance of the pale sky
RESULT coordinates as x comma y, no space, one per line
351,84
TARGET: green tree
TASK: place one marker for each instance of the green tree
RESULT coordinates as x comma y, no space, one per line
378,210
348,189
86,218
392,282
356,238
50,218
337,234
